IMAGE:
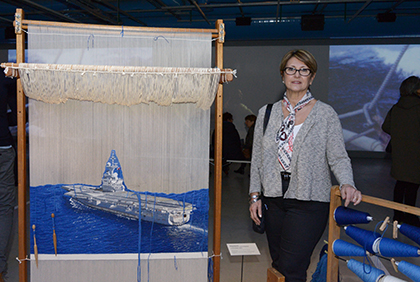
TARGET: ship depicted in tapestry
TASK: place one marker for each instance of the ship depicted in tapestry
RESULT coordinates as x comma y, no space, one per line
114,197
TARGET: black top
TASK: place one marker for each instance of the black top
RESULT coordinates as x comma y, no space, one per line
403,124
231,147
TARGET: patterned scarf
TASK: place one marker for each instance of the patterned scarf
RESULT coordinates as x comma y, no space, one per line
284,136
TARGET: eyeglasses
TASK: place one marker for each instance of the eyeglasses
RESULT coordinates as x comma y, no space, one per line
292,71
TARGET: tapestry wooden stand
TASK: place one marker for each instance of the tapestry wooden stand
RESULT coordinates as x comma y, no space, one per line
20,25
334,229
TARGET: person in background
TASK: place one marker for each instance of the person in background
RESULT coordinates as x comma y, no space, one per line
290,168
7,163
231,147
247,149
403,124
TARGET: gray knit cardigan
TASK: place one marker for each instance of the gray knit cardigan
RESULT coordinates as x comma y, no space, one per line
318,147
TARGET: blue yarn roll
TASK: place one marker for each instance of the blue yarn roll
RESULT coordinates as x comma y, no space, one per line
411,232
346,216
343,248
410,270
393,248
365,238
365,272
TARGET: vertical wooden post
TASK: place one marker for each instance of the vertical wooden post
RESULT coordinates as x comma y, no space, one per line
218,157
333,234
21,152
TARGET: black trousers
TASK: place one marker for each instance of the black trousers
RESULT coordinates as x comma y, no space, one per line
293,229
406,193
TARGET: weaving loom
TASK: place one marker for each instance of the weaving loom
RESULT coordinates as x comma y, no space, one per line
91,93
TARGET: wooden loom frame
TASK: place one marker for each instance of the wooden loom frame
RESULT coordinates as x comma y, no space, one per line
20,24
334,229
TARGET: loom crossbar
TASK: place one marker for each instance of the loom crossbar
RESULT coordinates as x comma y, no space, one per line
226,75
24,25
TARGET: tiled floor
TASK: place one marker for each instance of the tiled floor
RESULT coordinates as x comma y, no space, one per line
371,177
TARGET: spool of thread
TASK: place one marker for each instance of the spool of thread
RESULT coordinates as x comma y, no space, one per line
410,270
389,278
346,216
365,238
410,232
365,272
343,248
392,248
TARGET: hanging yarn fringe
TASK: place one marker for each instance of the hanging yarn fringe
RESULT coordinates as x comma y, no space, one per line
120,85
392,248
410,231
410,270
346,216
343,248
367,239
365,272
320,274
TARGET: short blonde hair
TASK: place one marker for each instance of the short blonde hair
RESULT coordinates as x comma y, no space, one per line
302,55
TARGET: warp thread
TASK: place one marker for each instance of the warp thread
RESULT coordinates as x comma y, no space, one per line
91,39
151,236
138,263
175,264
160,36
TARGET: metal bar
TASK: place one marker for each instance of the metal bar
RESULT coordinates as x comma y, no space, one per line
6,19
93,11
47,10
395,6
119,11
199,9
240,9
360,10
252,4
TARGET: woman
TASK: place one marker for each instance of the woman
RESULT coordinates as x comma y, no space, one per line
290,173
403,124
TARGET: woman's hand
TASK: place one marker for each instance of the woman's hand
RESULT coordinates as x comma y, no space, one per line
350,194
255,211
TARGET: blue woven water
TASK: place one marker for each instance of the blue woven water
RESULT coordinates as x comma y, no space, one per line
83,230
